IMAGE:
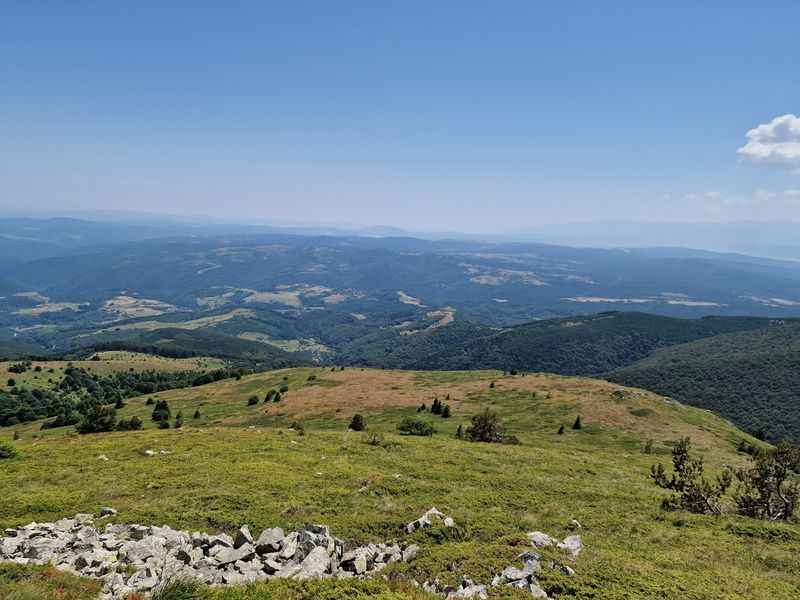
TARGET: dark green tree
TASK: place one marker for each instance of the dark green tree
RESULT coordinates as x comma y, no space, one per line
694,493
357,423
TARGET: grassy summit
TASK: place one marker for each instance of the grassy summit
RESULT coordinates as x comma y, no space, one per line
240,463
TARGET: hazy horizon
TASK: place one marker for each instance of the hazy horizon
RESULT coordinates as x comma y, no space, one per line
456,117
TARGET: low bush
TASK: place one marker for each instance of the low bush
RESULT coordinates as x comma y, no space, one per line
410,426
357,423
7,450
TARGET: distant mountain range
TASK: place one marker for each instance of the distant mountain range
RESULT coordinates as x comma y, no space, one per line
275,299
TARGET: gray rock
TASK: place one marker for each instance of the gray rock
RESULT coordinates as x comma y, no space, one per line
572,544
231,555
243,536
269,540
107,511
540,540
410,552
289,545
315,564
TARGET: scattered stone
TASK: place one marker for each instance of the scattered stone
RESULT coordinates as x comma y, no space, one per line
572,544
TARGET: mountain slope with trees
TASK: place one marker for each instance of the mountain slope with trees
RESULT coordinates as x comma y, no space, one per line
588,345
749,377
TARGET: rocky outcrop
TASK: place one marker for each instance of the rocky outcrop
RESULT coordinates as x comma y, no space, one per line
521,575
136,558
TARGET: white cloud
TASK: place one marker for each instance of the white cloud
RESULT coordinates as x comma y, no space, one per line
792,193
774,143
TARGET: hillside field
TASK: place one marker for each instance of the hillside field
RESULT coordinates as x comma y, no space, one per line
239,464
52,371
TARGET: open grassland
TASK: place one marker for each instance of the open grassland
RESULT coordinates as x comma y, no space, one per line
241,464
52,371
192,324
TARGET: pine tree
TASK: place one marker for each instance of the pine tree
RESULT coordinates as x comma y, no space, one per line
178,420
446,411
357,423
577,423
561,430
197,414
460,432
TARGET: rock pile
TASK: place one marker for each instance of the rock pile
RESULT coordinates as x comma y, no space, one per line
427,519
136,558
523,577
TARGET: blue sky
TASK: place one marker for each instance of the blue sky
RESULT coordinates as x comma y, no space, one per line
471,116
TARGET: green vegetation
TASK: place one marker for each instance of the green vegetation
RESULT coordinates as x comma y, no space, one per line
239,465
412,426
19,582
570,346
750,377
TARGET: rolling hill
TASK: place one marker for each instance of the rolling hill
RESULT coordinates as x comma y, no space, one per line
750,377
236,463
587,345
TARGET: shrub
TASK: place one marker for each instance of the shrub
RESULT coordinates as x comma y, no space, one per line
163,424
119,404
298,427
7,450
694,493
178,420
486,427
97,419
411,426
132,424
16,436
252,401
270,396
577,424
12,382
491,385
197,414
284,389
422,408
561,430
766,489
436,407
648,447
460,432
446,411
150,402
312,378
277,397
357,423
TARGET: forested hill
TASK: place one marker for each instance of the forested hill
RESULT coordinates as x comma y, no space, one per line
750,377
586,345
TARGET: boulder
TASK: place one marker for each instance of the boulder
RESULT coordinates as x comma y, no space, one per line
243,536
269,540
243,553
540,540
315,564
572,544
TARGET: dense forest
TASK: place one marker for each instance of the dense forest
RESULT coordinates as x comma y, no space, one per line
588,345
750,377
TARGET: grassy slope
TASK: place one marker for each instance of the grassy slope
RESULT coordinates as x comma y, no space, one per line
750,377
110,362
251,471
